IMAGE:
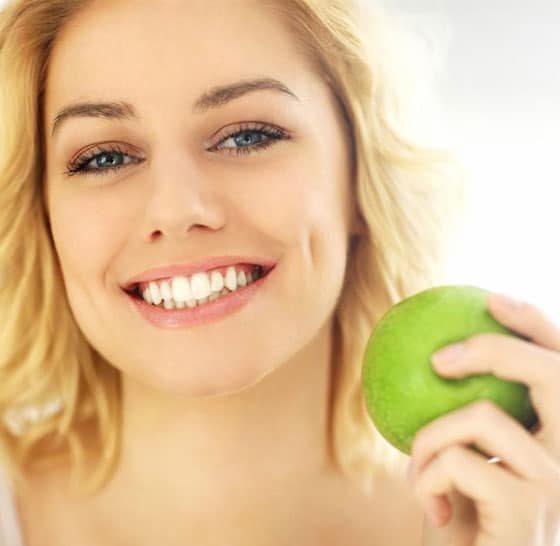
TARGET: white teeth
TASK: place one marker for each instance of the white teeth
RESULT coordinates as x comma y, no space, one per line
231,278
200,285
180,292
216,281
165,290
148,295
154,291
181,289
241,279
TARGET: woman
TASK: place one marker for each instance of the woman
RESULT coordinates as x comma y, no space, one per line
206,206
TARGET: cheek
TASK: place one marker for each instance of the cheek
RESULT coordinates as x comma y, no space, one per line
305,212
300,197
84,233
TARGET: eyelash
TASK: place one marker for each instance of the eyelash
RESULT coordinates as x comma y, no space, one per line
78,167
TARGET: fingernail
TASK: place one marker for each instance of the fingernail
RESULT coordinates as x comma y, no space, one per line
505,301
448,354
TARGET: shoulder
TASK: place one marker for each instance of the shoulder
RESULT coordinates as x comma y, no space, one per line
44,509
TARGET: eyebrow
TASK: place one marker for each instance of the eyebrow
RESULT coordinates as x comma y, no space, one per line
215,97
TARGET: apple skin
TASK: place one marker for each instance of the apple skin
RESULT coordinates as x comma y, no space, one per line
401,390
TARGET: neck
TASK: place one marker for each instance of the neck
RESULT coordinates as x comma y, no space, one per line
196,456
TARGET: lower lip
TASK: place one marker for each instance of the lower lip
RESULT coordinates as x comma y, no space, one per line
204,314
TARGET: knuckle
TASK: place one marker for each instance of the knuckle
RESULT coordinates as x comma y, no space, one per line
423,485
483,409
537,315
481,346
417,448
451,457
531,310
420,441
481,341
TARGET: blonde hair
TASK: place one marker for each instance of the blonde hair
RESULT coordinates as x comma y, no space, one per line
406,192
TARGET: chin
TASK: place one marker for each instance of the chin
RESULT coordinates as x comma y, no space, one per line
208,380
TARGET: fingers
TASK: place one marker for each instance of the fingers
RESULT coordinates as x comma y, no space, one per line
506,357
461,530
486,425
528,320
459,468
526,481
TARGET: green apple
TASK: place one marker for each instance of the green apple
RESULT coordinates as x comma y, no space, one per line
401,390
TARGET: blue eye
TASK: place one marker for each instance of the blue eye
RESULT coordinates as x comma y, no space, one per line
101,160
108,159
245,138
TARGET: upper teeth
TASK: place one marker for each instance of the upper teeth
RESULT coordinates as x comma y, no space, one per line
199,286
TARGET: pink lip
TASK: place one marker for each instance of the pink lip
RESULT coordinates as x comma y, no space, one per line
191,268
208,312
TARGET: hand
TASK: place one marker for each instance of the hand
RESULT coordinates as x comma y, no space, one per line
515,502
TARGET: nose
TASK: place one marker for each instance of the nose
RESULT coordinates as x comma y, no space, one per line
182,197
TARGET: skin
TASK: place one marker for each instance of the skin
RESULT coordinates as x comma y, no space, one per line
515,500
226,417
235,450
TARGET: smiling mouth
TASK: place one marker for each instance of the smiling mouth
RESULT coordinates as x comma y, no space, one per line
258,274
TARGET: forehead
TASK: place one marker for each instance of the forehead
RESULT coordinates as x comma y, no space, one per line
167,51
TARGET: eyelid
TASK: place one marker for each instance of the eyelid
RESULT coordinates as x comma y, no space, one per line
231,130
274,133
103,147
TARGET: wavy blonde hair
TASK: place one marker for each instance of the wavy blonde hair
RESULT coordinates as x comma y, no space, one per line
406,191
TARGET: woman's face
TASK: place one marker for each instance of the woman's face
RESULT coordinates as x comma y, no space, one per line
184,190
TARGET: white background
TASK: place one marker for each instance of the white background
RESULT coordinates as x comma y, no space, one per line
500,89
